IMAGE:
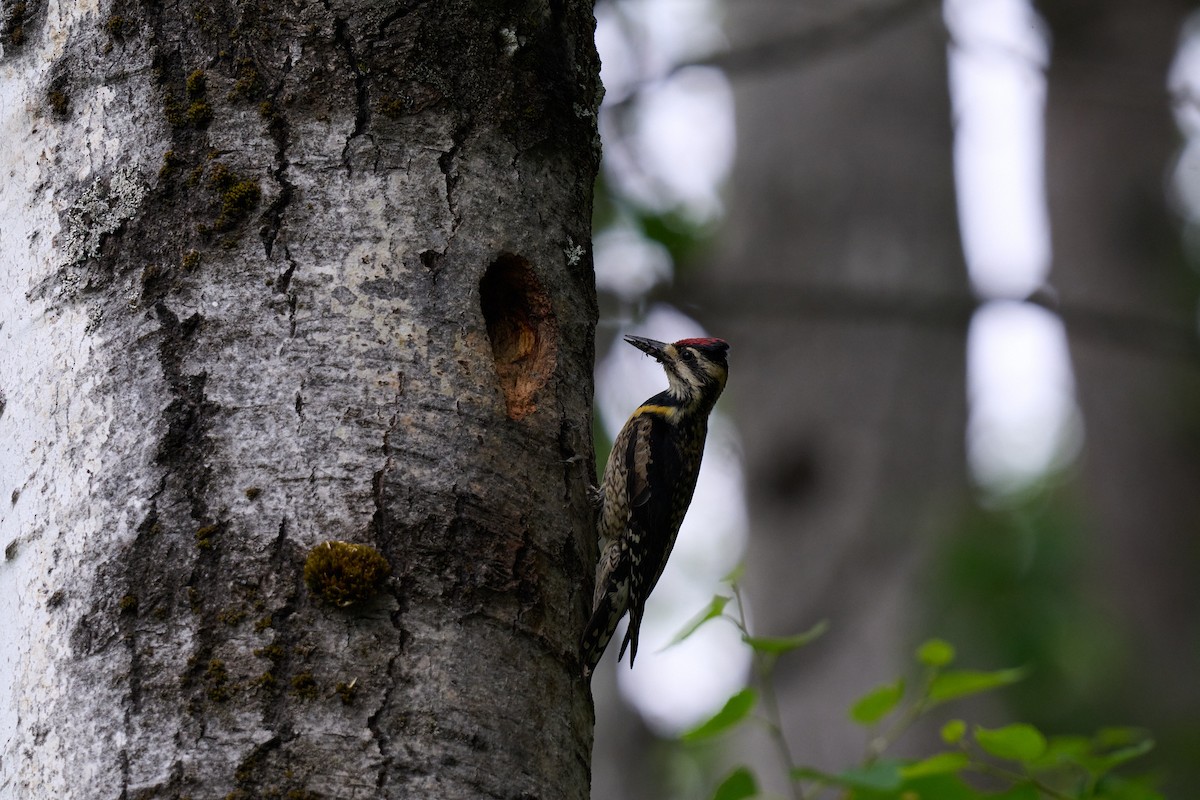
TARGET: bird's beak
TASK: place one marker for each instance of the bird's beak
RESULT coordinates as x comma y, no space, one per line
648,346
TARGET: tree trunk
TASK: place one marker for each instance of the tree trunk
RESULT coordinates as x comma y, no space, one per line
1117,255
274,276
842,290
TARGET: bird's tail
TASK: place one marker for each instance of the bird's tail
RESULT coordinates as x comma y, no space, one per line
598,633
631,636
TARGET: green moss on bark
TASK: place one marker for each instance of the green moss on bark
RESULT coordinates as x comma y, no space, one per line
343,574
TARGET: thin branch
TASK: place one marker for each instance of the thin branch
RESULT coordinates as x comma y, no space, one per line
808,45
796,48
1128,330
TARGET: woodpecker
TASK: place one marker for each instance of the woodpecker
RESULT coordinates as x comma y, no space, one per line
648,485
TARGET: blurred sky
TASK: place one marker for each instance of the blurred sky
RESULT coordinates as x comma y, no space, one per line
671,147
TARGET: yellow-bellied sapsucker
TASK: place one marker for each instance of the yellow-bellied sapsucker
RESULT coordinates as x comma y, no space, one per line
648,485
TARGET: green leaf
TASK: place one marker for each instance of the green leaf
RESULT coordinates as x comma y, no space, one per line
714,609
1097,755
961,683
944,786
1067,749
954,731
939,764
1016,742
1115,787
1023,791
935,653
877,703
880,776
739,785
777,645
810,774
1116,736
735,574
1116,758
735,710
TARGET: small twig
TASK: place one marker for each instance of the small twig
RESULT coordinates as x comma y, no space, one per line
879,744
770,701
1017,777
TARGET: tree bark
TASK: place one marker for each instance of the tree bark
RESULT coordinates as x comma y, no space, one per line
274,276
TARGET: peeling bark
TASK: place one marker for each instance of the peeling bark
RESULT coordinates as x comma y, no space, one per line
246,309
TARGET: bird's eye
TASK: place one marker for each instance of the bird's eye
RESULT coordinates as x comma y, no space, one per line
687,355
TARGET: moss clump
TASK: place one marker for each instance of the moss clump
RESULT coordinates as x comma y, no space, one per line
253,492
272,652
347,691
196,85
239,196
170,162
216,677
263,623
114,26
194,111
128,604
270,115
231,616
343,574
305,686
150,273
190,260
248,84
204,536
393,107
265,681
198,114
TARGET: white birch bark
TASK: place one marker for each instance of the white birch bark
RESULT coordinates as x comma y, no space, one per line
243,311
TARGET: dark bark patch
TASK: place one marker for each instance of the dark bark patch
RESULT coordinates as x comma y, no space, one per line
432,260
305,686
128,604
14,31
523,331
184,445
382,288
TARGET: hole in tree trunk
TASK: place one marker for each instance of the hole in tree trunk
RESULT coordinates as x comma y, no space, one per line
523,331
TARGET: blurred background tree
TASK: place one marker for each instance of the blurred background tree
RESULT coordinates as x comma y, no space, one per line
941,429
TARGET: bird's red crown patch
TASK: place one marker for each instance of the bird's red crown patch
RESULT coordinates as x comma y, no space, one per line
705,343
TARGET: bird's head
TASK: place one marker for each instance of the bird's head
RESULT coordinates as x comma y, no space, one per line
696,368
